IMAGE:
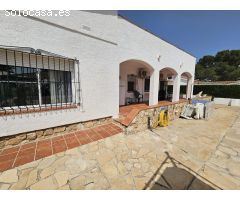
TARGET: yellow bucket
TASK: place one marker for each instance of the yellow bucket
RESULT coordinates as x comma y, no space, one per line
163,118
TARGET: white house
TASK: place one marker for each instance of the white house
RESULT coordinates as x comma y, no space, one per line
81,67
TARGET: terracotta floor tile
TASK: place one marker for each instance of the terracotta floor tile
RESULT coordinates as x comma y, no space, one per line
93,135
6,157
69,139
29,145
57,138
84,140
59,142
26,152
23,160
10,150
82,134
44,143
43,153
5,165
104,133
59,148
69,135
72,144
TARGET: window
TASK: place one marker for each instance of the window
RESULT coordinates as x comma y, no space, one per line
131,83
147,85
131,86
55,86
18,86
52,82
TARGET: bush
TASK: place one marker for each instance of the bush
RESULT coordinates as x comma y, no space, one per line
224,91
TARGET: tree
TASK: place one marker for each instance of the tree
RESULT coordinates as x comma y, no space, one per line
225,65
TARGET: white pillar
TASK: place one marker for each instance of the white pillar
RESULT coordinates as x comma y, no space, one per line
189,88
154,85
176,88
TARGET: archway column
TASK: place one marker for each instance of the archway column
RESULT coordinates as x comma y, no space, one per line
176,88
154,85
189,92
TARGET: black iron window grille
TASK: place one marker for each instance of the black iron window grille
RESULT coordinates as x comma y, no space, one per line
37,79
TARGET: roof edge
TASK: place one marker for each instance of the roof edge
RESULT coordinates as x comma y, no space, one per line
125,18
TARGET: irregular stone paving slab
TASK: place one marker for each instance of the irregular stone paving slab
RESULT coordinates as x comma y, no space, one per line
9,176
189,154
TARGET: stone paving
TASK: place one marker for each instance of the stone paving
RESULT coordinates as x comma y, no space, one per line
189,154
28,152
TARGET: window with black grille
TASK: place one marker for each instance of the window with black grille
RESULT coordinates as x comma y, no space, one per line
29,79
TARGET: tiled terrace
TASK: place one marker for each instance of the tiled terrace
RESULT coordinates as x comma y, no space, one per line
129,112
188,154
19,155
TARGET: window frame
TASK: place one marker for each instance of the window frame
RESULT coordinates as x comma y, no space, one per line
72,84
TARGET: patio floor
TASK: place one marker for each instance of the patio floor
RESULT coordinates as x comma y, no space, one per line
22,154
189,154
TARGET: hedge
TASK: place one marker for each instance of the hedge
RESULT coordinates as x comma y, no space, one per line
224,91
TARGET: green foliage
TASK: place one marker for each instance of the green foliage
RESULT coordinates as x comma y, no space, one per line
224,66
224,91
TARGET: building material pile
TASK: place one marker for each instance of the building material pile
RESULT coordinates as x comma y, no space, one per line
201,110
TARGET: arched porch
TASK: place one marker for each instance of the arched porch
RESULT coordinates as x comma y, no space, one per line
135,82
169,85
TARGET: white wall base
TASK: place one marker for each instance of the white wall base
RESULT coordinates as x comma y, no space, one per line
227,101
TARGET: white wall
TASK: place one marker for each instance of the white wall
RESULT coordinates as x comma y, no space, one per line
107,41
227,101
135,43
99,68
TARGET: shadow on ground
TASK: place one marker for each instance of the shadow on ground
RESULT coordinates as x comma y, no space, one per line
173,175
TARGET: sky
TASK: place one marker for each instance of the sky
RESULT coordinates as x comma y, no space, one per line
198,32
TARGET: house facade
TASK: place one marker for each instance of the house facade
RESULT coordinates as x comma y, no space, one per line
64,70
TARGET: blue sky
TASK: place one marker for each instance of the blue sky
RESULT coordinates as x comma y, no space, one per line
198,32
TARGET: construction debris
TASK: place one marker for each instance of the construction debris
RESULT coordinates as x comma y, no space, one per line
197,111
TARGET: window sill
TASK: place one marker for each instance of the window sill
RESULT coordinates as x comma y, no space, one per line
18,111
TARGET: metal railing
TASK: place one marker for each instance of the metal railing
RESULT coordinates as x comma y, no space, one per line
37,80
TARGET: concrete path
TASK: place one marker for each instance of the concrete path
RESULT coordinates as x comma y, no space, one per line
189,154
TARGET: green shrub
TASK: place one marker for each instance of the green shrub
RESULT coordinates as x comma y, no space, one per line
224,91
